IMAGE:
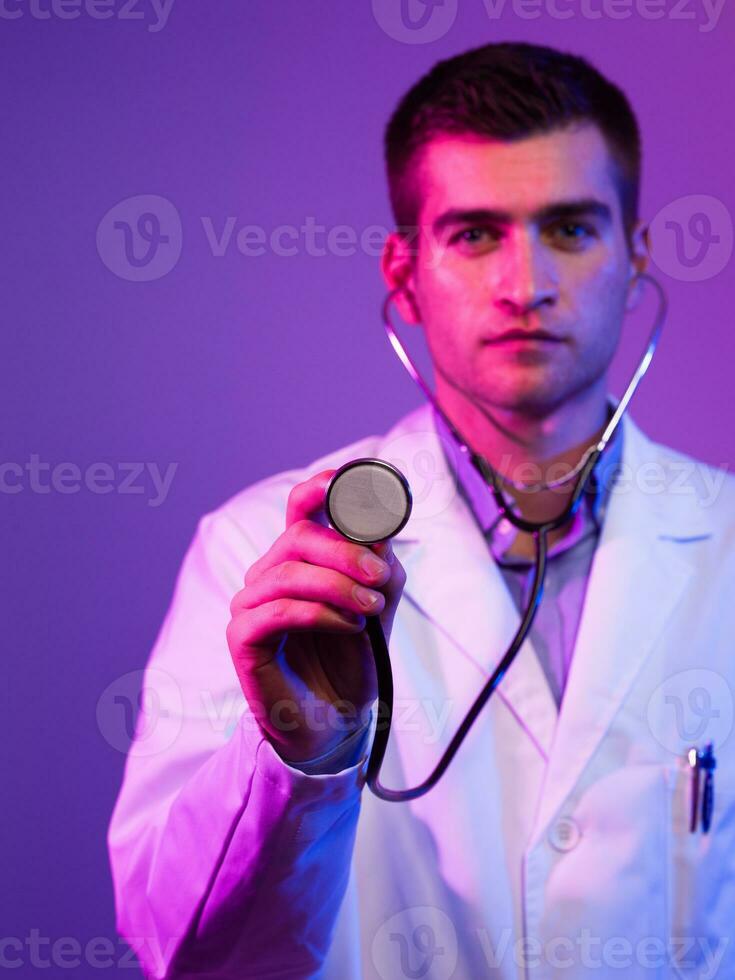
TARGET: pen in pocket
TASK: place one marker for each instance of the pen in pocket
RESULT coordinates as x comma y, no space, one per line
702,761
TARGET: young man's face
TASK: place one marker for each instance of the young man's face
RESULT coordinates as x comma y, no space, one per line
522,275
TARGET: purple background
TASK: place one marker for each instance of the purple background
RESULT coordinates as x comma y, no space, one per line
235,367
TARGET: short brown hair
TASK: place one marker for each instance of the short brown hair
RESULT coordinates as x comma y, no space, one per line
508,91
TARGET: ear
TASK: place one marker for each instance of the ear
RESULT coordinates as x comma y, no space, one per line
398,265
639,256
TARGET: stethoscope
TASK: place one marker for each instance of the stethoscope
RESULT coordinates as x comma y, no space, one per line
369,500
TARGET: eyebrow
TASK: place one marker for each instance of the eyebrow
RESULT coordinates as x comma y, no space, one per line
556,210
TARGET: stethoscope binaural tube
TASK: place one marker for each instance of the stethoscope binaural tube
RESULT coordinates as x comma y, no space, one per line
538,530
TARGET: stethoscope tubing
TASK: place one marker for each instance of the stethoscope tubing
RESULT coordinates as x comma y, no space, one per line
539,530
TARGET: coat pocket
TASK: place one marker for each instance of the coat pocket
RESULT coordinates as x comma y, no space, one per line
701,893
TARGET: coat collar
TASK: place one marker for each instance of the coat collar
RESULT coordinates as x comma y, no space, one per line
474,489
637,577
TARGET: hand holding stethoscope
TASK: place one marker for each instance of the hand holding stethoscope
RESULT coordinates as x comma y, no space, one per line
369,500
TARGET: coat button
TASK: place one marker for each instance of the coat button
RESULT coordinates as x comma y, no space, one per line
565,834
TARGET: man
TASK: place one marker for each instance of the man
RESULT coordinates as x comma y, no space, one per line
558,842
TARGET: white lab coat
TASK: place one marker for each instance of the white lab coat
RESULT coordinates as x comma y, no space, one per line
557,843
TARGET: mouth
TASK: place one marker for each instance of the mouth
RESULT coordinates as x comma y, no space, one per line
530,336
523,338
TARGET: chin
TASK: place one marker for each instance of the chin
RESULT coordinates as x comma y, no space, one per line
536,401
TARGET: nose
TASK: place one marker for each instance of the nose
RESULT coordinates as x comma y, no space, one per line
526,279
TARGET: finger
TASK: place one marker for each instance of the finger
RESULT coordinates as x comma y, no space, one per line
307,499
299,580
323,547
266,624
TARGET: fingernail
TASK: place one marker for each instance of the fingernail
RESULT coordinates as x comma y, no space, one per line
366,597
373,565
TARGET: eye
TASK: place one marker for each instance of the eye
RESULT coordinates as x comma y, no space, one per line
475,239
572,234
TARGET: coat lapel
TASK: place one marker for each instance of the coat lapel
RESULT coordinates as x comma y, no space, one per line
638,575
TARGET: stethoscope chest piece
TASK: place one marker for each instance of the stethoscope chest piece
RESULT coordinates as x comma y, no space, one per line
368,500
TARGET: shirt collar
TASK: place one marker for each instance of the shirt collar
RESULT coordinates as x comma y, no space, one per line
501,533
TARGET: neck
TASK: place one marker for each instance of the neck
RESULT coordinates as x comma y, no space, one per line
531,447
